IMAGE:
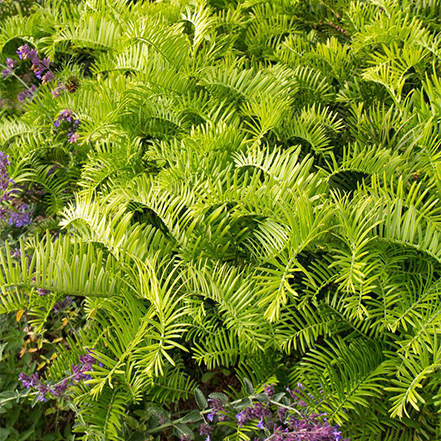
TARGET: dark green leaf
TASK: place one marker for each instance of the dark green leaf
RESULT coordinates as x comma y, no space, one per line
200,399
207,376
220,396
192,417
182,430
244,402
249,388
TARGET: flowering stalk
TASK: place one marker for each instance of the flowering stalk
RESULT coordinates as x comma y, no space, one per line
59,389
19,216
9,68
41,68
67,116
265,416
11,73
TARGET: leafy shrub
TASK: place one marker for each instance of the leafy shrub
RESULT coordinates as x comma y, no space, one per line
268,415
244,189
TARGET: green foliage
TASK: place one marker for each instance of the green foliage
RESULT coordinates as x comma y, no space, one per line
19,421
255,188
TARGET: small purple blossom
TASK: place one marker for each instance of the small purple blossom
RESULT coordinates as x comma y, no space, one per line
205,429
337,433
47,77
64,115
20,218
16,253
53,169
269,390
24,53
85,365
23,96
210,416
58,307
34,382
12,210
59,389
244,416
10,66
28,381
297,394
41,67
281,413
216,407
11,63
68,116
73,137
57,91
4,160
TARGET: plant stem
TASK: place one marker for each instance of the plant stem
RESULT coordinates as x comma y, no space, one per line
204,412
15,75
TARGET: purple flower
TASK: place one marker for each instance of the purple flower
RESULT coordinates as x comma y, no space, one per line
260,424
68,116
244,416
22,96
40,67
281,413
297,394
10,65
259,411
216,406
58,307
205,429
57,91
269,390
25,379
4,160
47,77
29,382
42,391
85,365
24,53
16,253
19,218
60,388
52,169
73,137
210,416
42,292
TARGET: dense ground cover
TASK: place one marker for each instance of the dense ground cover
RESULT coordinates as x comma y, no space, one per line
194,193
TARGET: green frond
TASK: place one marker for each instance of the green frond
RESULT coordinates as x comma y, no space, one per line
102,417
